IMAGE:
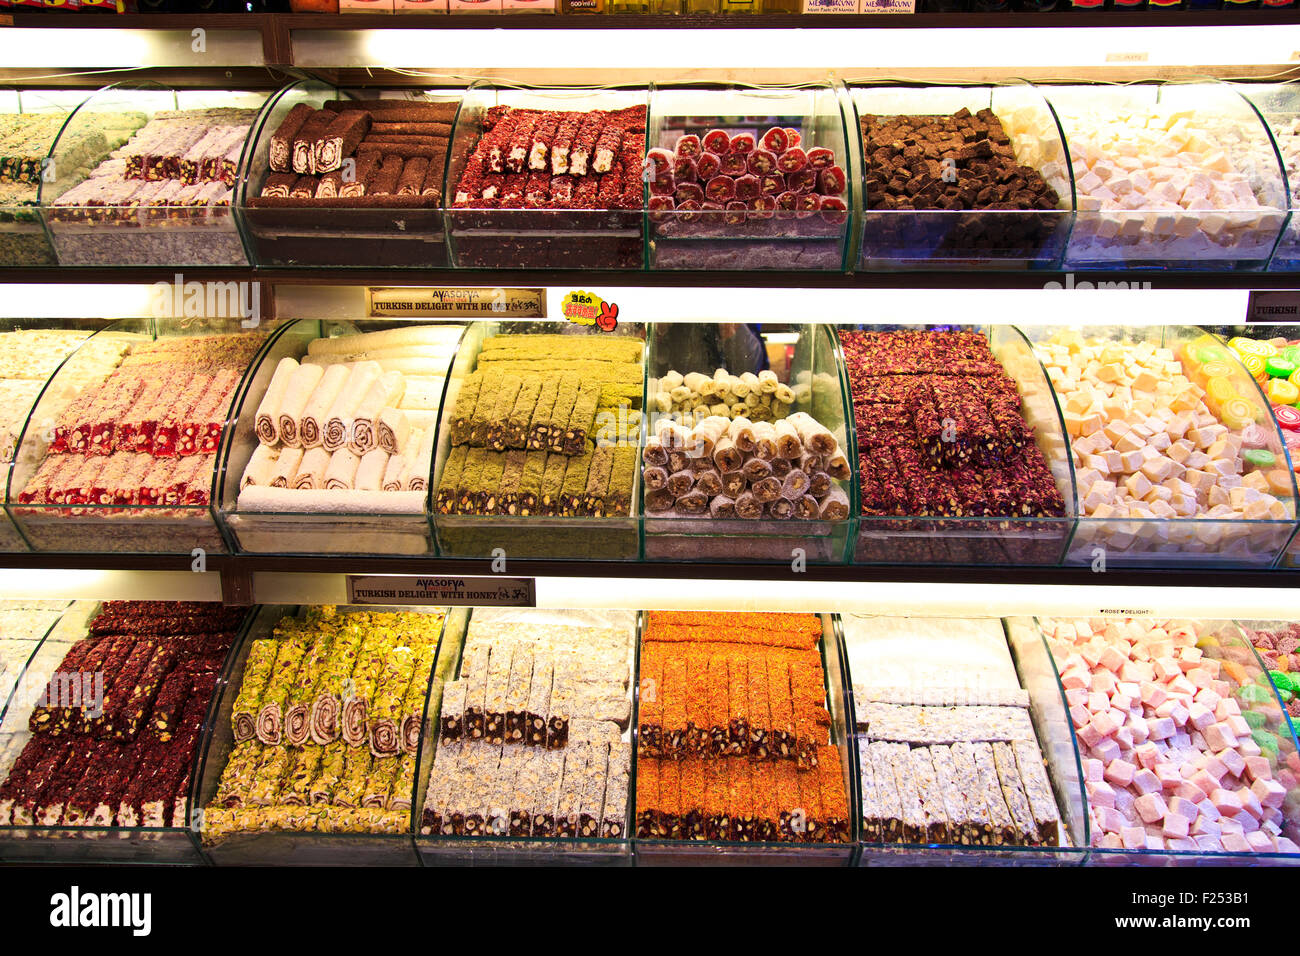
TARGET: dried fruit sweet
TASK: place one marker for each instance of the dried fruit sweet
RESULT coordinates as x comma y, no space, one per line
792,160
720,188
776,140
762,161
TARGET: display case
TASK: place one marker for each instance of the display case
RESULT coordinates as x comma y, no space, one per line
965,721
798,497
547,179
68,820
1001,490
24,624
511,798
31,120
296,215
291,816
1169,176
160,190
554,502
362,490
748,178
33,350
1236,803
1277,104
122,450
961,177
1204,487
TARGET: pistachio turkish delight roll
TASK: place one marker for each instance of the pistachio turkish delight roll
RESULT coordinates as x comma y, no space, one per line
538,426
402,790
329,772
297,786
379,782
269,777
270,714
326,708
416,693
351,789
360,691
384,715
463,413
257,673
236,781
302,694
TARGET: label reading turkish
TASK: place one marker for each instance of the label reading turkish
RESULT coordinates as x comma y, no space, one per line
1274,305
442,590
479,303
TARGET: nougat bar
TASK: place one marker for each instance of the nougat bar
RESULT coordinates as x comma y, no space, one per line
495,693
517,695
539,700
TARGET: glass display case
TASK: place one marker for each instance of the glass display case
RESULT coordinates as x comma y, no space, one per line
30,121
996,484
1175,449
748,178
1279,106
68,820
279,796
1170,176
31,351
296,214
965,747
538,443
961,177
349,471
160,190
121,451
524,795
738,498
1217,788
1271,355
547,179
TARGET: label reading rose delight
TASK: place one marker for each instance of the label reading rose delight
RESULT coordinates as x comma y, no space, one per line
438,589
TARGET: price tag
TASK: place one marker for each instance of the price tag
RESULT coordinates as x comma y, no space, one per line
457,302
436,589
1281,305
1127,57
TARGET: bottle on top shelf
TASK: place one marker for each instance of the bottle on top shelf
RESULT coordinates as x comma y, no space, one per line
1034,6
630,6
735,6
1276,4
946,6
990,6
582,6
782,6
1129,4
1165,4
